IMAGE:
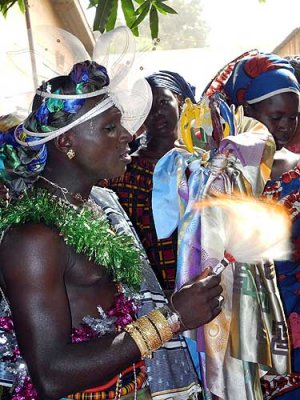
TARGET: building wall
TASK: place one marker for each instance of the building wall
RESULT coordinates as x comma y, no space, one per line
65,14
290,46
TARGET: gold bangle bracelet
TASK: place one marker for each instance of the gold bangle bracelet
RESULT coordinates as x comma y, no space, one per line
149,333
161,324
139,341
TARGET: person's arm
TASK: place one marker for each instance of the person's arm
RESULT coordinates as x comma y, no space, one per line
284,161
34,261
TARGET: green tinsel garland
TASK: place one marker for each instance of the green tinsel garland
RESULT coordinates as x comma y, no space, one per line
86,232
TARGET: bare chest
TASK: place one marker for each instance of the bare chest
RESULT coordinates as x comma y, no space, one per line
88,286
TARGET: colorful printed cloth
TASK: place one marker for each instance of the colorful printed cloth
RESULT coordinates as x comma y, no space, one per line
286,190
134,190
295,148
250,333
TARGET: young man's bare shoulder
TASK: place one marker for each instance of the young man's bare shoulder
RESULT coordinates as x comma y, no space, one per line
32,243
31,232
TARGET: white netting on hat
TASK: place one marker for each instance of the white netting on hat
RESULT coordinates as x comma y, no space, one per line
116,50
55,51
25,66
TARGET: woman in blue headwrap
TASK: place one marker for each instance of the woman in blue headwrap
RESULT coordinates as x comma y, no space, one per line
134,189
266,86
294,144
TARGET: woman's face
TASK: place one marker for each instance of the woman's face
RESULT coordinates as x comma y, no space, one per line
101,145
164,114
280,115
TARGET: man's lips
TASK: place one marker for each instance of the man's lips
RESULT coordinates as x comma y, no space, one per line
125,157
160,123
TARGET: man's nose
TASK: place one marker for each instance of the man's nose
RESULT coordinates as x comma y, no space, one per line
125,135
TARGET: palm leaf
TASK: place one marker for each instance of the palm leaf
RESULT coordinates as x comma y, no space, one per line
142,15
129,15
103,11
113,16
154,22
5,5
164,9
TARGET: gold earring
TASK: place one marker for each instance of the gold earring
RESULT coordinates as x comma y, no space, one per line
71,154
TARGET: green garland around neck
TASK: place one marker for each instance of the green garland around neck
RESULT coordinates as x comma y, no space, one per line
85,229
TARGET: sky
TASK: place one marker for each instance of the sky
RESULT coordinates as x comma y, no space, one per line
235,26
246,24
243,24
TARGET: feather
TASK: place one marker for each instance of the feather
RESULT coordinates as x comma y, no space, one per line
253,229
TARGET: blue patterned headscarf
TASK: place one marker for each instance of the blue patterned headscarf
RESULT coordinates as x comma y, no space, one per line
260,77
48,114
174,82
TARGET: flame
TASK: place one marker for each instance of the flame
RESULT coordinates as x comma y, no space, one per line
253,228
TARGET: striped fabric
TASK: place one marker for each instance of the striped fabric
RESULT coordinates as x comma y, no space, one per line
108,391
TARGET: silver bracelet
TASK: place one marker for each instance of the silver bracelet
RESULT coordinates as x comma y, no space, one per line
173,319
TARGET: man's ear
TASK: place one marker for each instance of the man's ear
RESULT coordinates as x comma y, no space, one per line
64,142
180,100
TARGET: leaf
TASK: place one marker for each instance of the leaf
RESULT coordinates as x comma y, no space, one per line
139,2
5,5
139,10
154,22
103,11
129,15
93,3
21,5
164,9
142,16
113,16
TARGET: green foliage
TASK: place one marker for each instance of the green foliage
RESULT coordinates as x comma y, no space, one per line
111,22
103,12
129,15
134,13
106,13
186,29
153,22
5,5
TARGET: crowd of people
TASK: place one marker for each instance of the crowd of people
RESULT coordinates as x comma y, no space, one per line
107,265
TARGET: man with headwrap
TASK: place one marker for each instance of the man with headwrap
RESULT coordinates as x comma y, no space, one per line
82,314
134,189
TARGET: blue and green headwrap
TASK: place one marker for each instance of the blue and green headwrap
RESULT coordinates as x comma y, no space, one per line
48,115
